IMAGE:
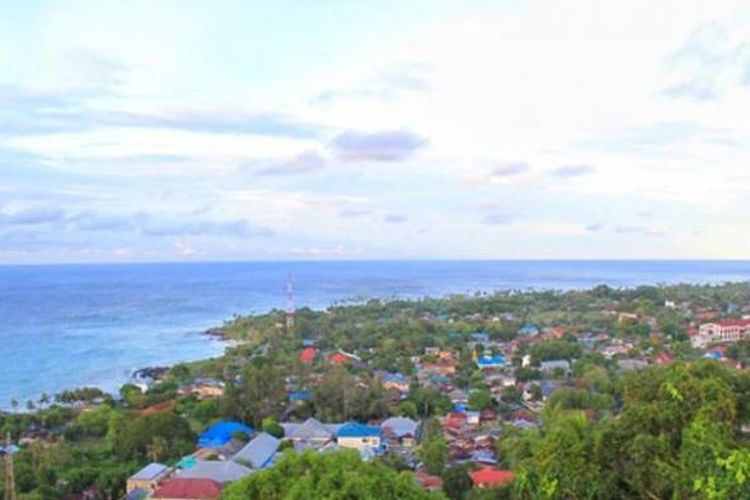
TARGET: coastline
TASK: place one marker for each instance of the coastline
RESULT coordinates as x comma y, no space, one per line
135,327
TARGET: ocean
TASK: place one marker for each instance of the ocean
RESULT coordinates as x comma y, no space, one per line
65,326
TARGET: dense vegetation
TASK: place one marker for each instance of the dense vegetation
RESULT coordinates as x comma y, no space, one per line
341,475
678,435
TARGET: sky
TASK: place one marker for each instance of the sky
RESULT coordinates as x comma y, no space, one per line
156,130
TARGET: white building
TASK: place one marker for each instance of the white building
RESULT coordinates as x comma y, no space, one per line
722,331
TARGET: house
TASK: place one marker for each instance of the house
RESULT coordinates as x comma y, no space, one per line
456,418
499,379
259,452
546,388
554,332
528,330
427,481
495,361
445,355
308,355
431,351
310,434
472,417
488,415
484,457
722,331
631,364
147,478
395,381
206,388
338,358
714,355
480,337
299,396
439,368
221,433
358,436
616,348
664,359
624,317
177,488
459,397
400,431
489,477
342,357
220,471
555,364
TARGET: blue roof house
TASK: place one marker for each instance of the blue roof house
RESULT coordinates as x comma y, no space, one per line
300,396
480,337
221,433
359,436
495,361
715,355
528,329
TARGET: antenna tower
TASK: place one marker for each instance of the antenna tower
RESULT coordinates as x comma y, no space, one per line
290,303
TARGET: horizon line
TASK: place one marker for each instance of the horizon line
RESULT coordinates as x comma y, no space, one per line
374,260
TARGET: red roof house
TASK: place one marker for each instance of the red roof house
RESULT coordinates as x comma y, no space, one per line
338,358
491,478
428,481
664,359
177,488
308,355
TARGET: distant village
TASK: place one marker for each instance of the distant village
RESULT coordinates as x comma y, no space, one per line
485,382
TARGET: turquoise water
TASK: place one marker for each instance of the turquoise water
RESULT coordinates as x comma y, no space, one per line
66,326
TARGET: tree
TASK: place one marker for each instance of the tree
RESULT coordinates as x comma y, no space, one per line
481,399
181,372
456,482
433,453
511,394
675,437
272,427
165,434
326,475
561,465
262,392
407,409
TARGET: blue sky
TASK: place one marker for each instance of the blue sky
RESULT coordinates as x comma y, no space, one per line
243,130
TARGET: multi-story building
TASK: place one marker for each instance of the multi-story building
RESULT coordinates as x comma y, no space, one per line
722,331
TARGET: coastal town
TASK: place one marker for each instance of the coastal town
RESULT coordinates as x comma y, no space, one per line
458,395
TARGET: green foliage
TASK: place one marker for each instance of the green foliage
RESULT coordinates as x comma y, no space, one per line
341,475
407,409
675,437
481,399
158,437
456,482
556,349
272,427
434,454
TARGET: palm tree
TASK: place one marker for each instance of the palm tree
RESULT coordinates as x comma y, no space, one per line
14,404
44,399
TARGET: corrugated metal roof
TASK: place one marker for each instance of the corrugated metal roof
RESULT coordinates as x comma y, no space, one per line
259,452
150,472
219,471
